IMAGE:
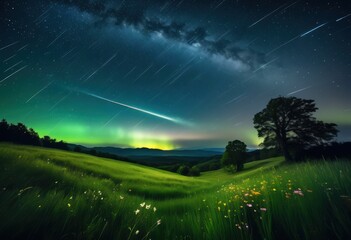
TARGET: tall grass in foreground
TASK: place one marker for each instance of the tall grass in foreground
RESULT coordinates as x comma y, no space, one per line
50,194
298,201
41,200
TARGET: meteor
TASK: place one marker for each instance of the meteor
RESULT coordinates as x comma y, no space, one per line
300,90
267,15
135,108
35,94
103,65
13,73
339,19
265,65
11,44
282,45
57,38
312,30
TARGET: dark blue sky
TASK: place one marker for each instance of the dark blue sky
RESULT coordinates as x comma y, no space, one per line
170,74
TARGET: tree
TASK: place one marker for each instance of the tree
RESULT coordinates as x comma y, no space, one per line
183,170
235,154
288,122
48,142
4,130
194,171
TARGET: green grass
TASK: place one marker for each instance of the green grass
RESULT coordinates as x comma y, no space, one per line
53,194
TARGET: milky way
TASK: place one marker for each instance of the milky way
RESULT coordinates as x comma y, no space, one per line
207,66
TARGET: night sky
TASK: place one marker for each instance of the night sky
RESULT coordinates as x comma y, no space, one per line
170,74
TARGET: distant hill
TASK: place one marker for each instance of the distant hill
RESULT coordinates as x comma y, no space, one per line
135,152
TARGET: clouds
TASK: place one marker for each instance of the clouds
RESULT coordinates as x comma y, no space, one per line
135,15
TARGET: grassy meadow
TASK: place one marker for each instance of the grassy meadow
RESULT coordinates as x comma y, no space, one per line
54,194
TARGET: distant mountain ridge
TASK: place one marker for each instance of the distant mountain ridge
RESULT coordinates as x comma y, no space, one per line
130,152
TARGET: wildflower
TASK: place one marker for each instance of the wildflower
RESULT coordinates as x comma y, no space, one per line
274,189
148,206
255,193
121,197
142,204
298,192
263,209
249,205
136,232
155,209
158,222
68,205
137,211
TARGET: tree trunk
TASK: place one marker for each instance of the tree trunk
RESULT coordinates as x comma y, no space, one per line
284,146
286,153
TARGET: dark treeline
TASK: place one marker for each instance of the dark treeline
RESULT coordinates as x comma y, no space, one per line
330,151
21,134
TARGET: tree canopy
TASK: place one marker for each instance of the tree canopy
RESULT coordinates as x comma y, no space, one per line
287,122
21,134
235,154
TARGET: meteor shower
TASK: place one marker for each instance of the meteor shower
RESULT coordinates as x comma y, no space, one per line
175,119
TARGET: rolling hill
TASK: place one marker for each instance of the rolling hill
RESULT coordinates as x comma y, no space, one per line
54,194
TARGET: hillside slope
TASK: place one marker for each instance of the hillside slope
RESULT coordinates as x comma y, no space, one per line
53,194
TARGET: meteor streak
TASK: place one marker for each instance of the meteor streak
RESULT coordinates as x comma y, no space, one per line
57,38
282,45
103,65
13,73
313,29
339,19
267,15
14,65
265,65
11,44
134,108
35,94
300,90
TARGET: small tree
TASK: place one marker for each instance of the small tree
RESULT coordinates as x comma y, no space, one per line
194,171
287,123
183,170
235,154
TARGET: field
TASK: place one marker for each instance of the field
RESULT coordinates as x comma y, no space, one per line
53,194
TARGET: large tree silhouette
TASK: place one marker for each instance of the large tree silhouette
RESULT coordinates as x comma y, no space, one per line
287,122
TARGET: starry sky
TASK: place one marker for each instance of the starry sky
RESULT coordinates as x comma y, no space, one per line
170,74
